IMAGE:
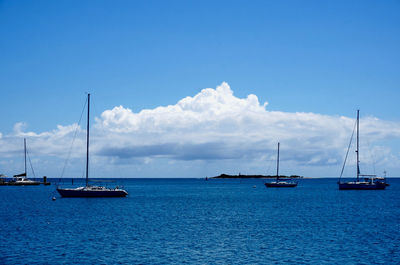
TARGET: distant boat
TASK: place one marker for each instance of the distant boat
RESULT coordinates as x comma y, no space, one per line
368,182
280,183
89,190
21,179
3,180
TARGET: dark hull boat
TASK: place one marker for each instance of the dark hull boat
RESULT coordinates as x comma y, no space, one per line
90,191
279,183
357,185
370,182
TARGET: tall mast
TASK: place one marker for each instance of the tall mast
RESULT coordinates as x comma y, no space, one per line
357,151
25,155
87,142
277,164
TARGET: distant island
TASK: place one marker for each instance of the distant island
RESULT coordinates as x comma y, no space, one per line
240,176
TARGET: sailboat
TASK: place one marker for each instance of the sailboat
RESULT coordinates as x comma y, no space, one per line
369,182
89,190
280,183
21,179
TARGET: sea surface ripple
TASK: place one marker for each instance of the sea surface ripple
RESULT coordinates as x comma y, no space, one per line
193,221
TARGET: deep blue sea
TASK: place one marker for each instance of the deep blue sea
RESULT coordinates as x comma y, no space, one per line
193,221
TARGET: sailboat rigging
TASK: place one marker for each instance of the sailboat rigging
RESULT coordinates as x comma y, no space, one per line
280,183
370,182
89,190
21,179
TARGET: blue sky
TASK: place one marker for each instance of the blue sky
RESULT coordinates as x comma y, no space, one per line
322,57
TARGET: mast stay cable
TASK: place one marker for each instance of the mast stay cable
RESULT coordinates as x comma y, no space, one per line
30,163
347,153
73,140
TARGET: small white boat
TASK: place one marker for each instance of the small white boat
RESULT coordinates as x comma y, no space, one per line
21,179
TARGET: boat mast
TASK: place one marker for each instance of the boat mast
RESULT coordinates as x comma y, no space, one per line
357,151
25,155
87,143
277,164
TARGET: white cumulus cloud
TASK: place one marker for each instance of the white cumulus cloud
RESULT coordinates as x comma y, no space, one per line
213,126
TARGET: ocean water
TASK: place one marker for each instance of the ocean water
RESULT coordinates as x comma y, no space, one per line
193,221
